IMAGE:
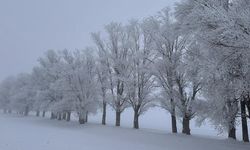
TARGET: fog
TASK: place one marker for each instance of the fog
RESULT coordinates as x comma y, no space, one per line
30,27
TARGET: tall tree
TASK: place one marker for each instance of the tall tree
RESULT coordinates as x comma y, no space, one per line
169,45
102,72
141,81
116,50
225,42
78,83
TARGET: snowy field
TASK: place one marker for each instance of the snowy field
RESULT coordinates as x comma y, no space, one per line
32,133
158,119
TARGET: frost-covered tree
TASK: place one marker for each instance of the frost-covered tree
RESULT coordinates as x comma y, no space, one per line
6,93
116,51
23,94
17,94
141,82
41,85
78,83
102,69
222,26
169,46
188,84
46,74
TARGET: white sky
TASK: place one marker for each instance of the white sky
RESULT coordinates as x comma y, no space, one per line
30,27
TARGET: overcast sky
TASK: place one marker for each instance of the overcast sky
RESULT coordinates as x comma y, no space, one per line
30,27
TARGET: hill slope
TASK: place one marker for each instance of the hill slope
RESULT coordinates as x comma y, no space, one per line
31,133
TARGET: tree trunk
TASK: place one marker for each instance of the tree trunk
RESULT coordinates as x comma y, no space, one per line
68,116
185,125
104,113
245,136
64,116
82,118
5,111
136,119
248,105
118,119
53,115
37,113
174,126
173,117
26,111
232,133
44,113
9,111
87,115
59,116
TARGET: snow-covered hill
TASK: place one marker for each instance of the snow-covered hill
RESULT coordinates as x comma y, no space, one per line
32,133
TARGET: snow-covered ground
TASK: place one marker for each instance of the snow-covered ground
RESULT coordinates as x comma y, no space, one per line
32,133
